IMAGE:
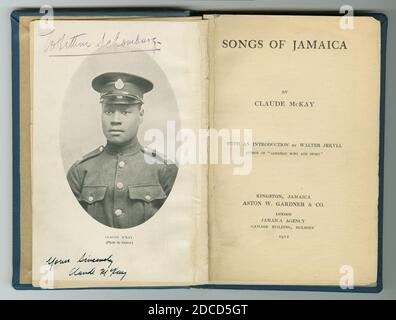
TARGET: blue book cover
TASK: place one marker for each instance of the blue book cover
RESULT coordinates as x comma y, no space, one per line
99,187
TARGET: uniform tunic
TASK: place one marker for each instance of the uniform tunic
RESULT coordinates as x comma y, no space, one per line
118,187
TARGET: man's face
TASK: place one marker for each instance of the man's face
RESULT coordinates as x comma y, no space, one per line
120,122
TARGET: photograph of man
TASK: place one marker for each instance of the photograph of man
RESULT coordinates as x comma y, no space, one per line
115,183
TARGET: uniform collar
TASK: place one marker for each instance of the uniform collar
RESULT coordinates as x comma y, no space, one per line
129,149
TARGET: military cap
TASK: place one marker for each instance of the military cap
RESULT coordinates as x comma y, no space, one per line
121,88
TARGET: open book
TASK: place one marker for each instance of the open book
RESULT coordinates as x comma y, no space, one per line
207,150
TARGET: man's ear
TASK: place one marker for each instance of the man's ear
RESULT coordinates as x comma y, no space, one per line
141,114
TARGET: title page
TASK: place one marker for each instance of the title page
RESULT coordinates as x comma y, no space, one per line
306,213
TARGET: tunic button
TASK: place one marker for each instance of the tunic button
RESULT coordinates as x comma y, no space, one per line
120,185
100,149
121,164
147,197
90,198
118,212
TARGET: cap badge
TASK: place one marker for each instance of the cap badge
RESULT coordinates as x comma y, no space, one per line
119,84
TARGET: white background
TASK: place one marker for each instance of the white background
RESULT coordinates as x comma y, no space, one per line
389,237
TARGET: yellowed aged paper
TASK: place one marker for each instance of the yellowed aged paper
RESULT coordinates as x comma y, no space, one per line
25,155
171,247
309,90
25,140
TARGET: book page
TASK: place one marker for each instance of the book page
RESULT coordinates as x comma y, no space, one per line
305,212
25,273
111,203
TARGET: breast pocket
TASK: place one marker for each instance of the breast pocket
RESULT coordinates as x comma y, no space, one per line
91,198
151,196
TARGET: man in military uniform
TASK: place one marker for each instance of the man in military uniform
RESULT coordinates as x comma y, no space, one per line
115,183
